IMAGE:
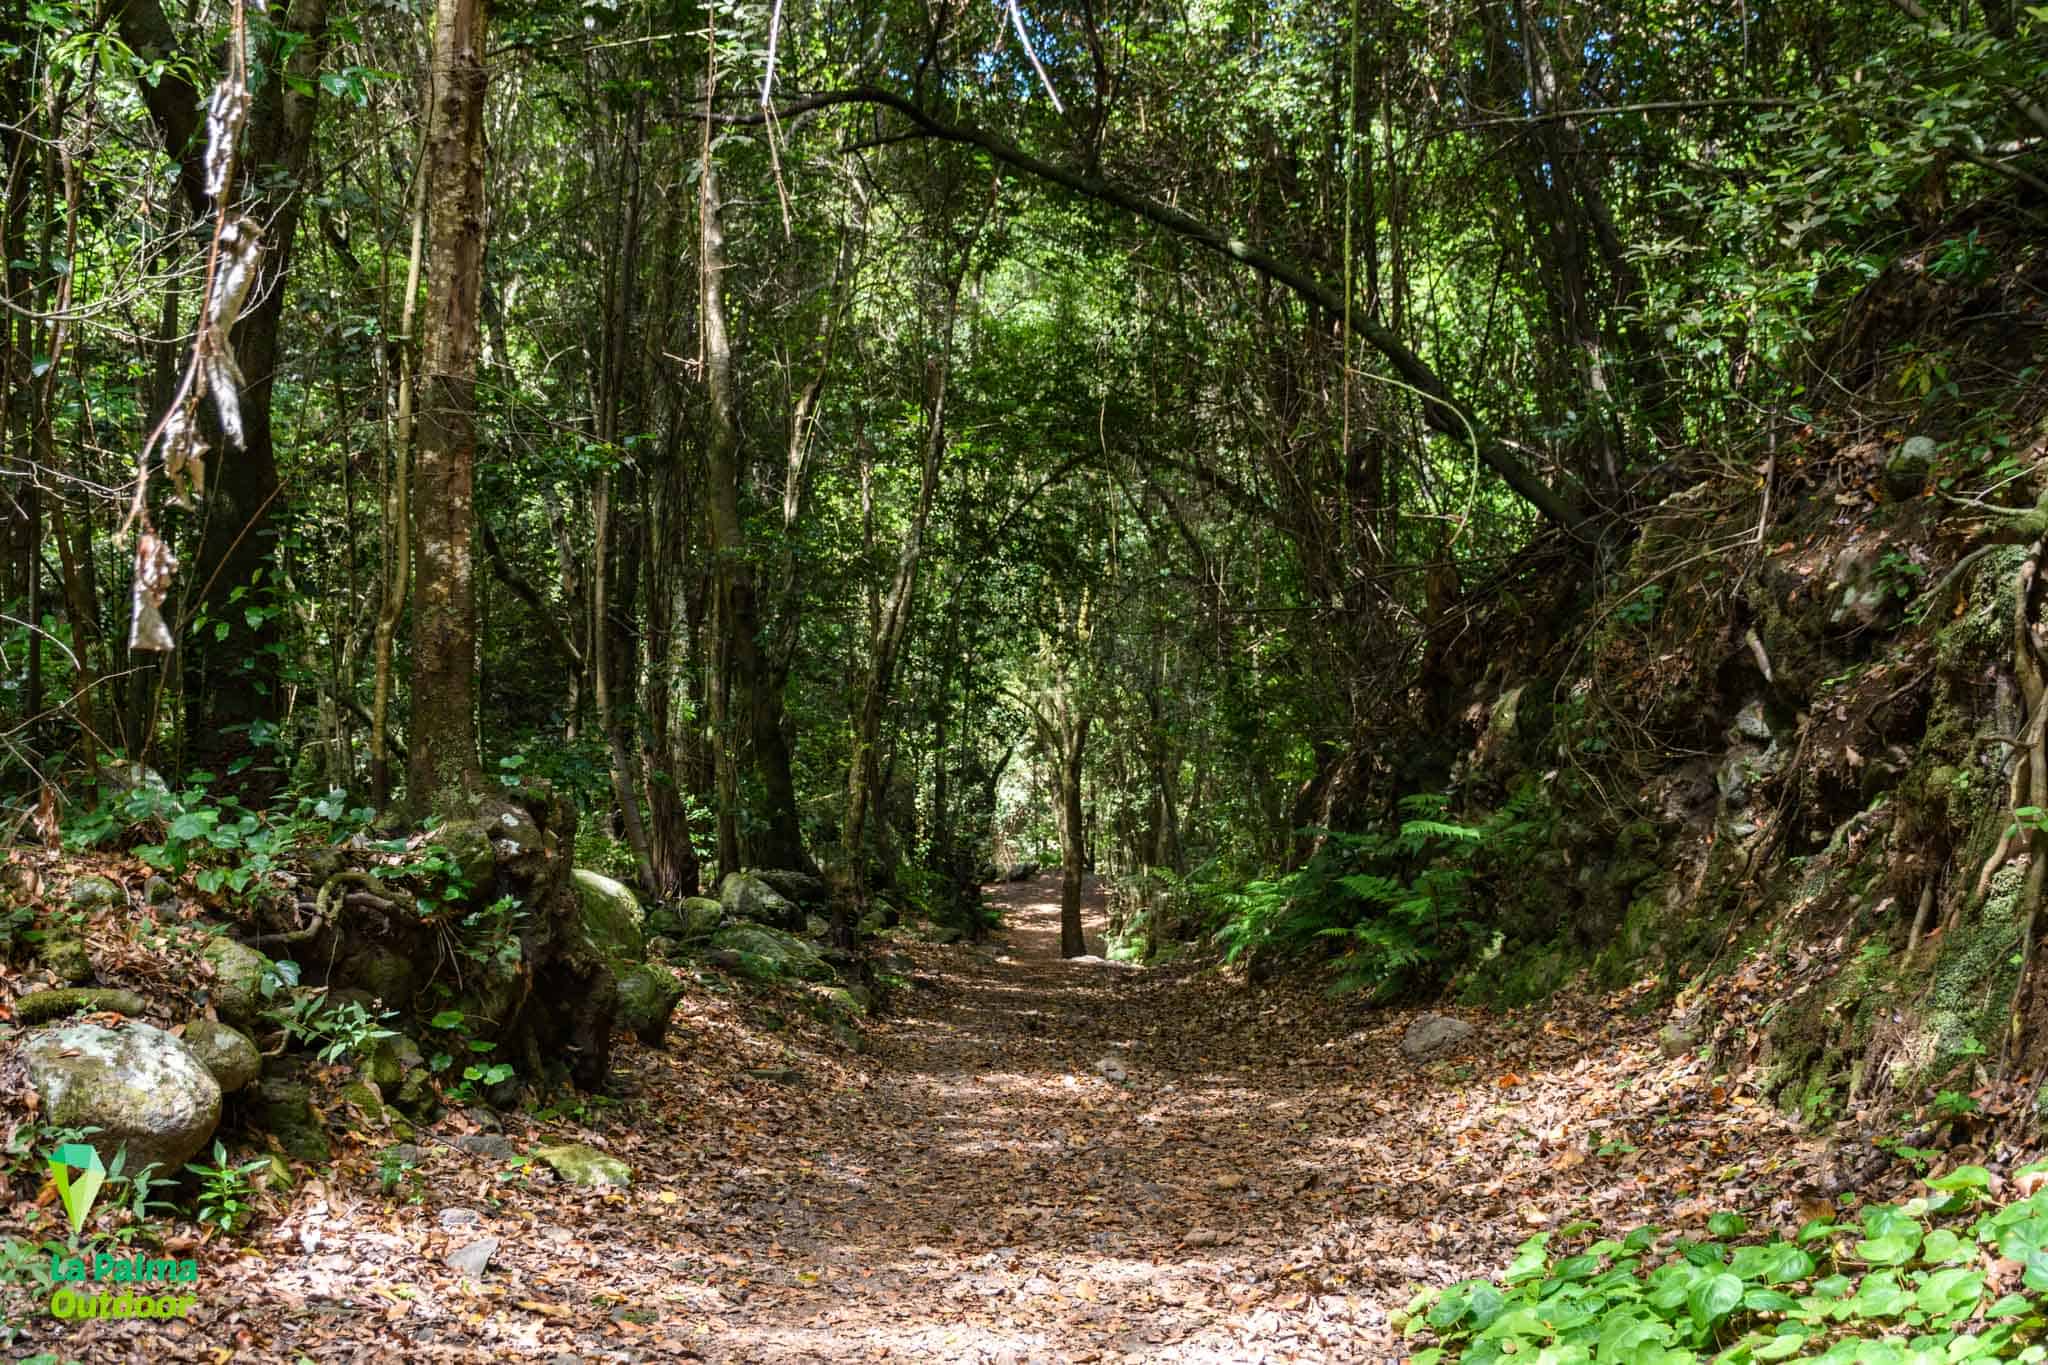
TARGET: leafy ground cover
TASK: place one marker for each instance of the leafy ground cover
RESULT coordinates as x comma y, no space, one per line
1037,1159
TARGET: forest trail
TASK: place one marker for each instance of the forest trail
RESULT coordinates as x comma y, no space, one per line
1055,1161
1266,1181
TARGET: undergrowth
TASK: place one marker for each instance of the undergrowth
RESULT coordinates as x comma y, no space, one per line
1954,1275
1397,908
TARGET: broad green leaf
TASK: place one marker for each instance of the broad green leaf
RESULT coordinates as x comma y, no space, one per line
1714,1298
1889,1250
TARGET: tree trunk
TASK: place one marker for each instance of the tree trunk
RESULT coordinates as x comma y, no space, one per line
445,771
1073,835
752,687
233,685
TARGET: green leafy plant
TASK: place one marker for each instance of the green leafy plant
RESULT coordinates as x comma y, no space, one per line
1913,1276
344,1030
225,1190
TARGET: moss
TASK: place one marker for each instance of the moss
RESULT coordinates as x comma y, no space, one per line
37,1006
1971,985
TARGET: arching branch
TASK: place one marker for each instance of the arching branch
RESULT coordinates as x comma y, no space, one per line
1441,407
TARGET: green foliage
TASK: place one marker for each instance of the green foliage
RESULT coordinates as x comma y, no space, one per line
227,847
336,1032
225,1190
1905,1284
1394,904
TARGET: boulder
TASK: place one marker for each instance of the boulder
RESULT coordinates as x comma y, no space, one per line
1434,1035
609,926
781,954
647,996
227,1053
692,918
1907,472
581,1164
802,888
138,1086
747,896
472,1260
388,976
237,991
38,1006
95,893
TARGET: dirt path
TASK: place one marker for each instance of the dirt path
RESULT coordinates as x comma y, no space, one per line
1044,1178
1034,1160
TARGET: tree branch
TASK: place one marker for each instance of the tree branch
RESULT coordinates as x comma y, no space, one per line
1441,408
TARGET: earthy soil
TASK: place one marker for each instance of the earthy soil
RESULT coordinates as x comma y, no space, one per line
1032,1160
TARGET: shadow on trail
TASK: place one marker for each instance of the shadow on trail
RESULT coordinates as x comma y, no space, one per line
1014,1201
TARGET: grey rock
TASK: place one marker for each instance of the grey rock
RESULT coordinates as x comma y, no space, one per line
140,1087
686,920
226,1051
777,1075
66,958
1906,473
799,887
95,893
610,925
157,891
458,1218
1751,723
748,896
769,953
495,1146
1674,1041
647,997
285,1110
581,1164
1432,1036
474,1259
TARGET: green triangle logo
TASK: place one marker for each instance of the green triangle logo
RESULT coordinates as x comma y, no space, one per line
78,1194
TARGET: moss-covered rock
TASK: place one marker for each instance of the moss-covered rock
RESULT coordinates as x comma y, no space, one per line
95,893
237,988
38,1006
609,924
781,954
688,920
285,1110
139,1087
227,1052
581,1164
799,888
647,997
65,957
468,842
390,977
749,896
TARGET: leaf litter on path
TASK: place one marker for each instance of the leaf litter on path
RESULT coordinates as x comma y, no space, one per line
1258,1175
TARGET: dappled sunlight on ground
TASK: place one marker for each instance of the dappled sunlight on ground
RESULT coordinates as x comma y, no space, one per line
1256,1174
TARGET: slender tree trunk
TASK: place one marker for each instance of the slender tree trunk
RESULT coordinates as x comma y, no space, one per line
398,500
445,771
751,687
863,775
1073,833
